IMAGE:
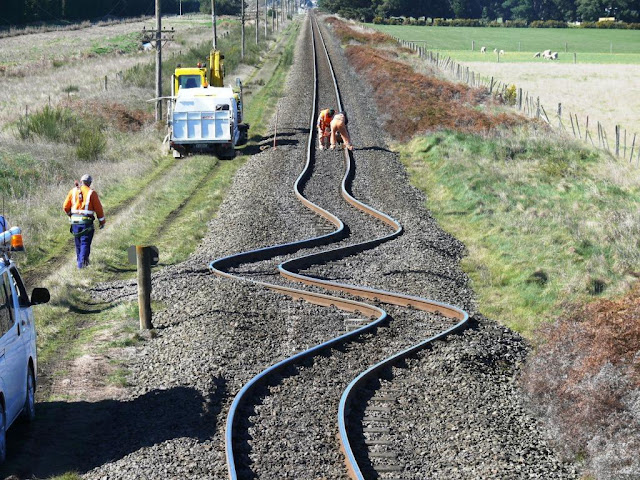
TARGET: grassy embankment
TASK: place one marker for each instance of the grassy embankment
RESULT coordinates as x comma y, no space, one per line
165,203
519,44
551,229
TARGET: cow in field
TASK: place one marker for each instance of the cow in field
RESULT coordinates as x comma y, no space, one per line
536,55
483,49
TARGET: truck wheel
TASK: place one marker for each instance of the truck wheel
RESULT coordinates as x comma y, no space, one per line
227,153
3,434
29,409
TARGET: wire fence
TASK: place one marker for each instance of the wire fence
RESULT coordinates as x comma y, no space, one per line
622,145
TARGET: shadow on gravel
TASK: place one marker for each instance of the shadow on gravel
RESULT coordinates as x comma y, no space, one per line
377,149
79,436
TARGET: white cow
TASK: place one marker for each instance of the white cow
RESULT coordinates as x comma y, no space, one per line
501,52
495,50
554,55
536,55
483,49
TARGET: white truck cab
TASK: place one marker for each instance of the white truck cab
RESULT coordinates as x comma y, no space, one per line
18,360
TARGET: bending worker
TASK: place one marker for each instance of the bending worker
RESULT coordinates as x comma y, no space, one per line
339,125
324,127
83,205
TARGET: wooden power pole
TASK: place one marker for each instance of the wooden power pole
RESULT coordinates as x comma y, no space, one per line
242,21
158,62
213,24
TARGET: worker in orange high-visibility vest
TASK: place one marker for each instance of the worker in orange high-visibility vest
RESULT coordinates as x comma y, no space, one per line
83,206
339,126
324,127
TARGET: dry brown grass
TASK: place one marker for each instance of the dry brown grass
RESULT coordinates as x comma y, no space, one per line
609,94
585,378
418,103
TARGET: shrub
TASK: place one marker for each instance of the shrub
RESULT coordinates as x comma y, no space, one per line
510,94
53,124
91,142
62,125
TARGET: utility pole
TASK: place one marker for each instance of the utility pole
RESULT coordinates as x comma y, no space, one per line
242,21
266,21
213,24
158,62
257,19
158,36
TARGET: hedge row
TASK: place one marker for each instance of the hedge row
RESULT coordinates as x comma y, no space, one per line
480,22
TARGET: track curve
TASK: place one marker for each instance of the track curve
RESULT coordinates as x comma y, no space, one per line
289,269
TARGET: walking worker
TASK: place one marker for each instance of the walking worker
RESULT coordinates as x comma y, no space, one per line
324,127
82,205
339,125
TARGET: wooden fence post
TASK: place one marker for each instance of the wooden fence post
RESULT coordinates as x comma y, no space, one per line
617,140
559,115
586,129
520,98
143,257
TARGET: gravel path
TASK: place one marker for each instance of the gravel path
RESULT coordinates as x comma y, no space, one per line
216,334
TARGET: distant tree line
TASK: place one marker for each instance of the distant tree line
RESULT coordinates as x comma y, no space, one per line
522,10
22,12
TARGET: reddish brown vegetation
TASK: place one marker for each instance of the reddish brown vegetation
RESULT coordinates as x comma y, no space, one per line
347,34
586,376
415,102
115,114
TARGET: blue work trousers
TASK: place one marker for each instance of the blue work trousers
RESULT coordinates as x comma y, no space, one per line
83,242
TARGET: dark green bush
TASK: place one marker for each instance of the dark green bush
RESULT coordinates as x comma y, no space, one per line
91,142
54,124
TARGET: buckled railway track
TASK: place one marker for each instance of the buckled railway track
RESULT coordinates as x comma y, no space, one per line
363,458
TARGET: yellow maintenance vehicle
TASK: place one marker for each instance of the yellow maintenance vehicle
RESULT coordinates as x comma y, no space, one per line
205,115
200,75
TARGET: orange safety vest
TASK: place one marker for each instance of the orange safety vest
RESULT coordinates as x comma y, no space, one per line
324,120
83,205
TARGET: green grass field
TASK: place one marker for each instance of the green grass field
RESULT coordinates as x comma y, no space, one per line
519,44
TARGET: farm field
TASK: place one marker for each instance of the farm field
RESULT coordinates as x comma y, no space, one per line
600,85
60,62
602,46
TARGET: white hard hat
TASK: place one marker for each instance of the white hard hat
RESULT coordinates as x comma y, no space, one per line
86,178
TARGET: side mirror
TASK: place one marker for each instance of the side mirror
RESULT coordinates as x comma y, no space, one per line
40,296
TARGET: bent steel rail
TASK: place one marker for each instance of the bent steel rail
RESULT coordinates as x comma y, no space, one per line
289,268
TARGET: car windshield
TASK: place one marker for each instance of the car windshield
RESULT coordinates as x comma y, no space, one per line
23,298
190,81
